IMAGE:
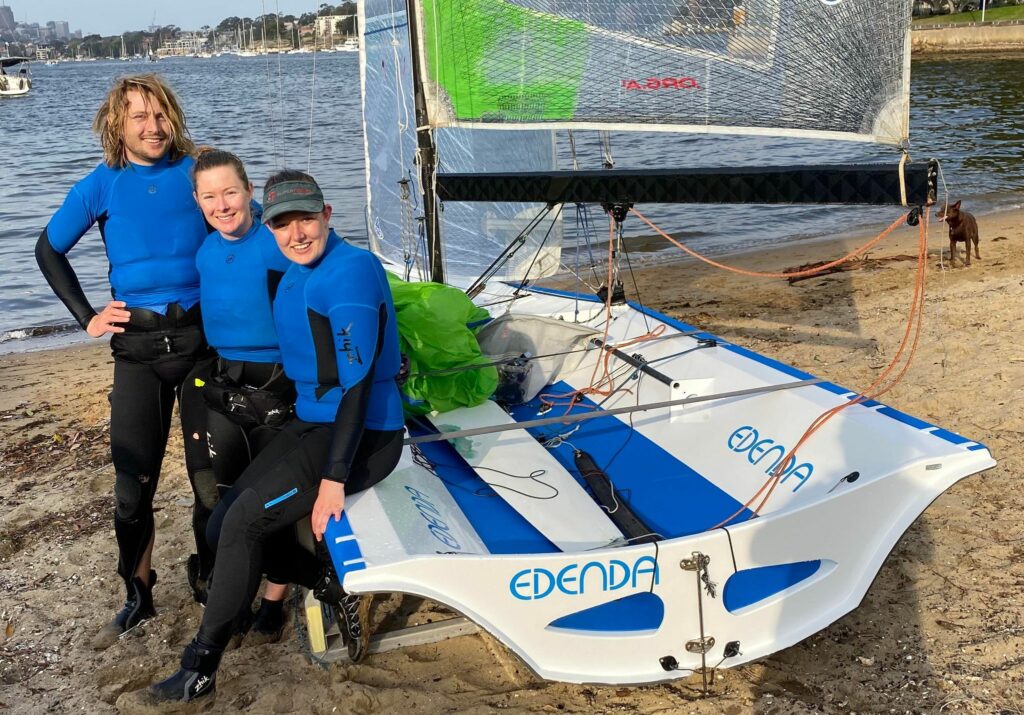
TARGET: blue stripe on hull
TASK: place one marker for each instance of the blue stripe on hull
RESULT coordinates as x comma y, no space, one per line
343,547
668,495
502,529
895,414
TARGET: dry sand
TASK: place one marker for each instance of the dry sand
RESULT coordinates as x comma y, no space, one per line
940,630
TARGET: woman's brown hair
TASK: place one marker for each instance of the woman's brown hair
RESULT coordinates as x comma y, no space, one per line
209,158
109,121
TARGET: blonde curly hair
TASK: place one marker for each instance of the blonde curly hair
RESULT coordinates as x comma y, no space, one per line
110,118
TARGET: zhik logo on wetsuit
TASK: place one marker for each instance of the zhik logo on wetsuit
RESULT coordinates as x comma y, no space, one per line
351,351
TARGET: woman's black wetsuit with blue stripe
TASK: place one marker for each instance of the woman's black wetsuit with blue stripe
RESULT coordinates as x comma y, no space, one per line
339,342
151,230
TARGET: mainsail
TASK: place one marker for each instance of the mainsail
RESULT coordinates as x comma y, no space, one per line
493,78
824,68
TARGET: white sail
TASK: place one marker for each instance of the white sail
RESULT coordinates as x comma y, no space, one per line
474,233
822,68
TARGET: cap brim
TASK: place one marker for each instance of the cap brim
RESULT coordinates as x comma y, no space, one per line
308,206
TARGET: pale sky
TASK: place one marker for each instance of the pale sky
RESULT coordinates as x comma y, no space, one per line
112,17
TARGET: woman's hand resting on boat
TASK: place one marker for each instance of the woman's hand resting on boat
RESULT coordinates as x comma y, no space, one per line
329,502
106,321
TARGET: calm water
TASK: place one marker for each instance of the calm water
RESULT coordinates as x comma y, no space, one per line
966,112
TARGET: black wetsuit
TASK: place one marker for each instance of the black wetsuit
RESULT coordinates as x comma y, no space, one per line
151,229
339,342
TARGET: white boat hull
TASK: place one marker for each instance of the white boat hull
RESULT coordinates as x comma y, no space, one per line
626,614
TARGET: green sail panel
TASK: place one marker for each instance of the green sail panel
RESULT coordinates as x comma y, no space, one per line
497,61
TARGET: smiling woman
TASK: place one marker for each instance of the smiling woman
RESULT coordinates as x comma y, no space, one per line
341,349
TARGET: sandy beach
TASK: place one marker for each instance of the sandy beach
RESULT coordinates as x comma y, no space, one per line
940,630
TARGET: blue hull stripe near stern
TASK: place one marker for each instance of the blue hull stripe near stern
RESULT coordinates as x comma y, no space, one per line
343,547
639,613
667,494
950,436
278,500
502,529
585,297
794,372
749,586
904,418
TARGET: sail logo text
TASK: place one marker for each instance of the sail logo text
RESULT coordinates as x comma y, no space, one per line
763,450
652,83
437,526
576,579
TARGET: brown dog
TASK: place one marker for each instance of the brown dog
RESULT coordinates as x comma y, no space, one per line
962,227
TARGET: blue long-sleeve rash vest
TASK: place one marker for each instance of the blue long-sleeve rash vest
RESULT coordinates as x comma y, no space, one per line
328,318
151,229
237,282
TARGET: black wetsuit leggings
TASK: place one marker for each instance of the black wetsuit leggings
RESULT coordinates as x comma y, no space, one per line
253,525
154,359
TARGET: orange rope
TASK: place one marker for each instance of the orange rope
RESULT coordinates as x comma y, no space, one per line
795,274
874,390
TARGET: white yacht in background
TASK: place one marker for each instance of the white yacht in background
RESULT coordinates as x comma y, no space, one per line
15,83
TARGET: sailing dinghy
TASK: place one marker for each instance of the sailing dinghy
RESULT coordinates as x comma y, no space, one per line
650,501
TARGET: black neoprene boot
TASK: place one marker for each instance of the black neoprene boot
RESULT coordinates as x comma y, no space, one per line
137,608
196,678
352,611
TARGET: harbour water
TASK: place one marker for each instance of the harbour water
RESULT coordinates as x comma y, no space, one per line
296,112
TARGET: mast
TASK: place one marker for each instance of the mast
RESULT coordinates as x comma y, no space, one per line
427,149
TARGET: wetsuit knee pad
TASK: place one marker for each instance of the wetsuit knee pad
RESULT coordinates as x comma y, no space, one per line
204,482
132,493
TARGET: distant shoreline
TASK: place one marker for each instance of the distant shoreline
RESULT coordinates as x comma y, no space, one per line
1002,38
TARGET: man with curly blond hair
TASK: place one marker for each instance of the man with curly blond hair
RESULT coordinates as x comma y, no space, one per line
140,196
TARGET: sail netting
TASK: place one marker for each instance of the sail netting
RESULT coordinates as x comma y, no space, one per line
834,68
473,234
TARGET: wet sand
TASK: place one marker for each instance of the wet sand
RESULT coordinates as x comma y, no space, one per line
940,630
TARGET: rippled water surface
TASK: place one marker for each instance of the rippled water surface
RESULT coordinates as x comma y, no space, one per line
965,112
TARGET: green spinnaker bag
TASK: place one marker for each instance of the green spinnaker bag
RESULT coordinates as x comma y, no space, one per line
436,325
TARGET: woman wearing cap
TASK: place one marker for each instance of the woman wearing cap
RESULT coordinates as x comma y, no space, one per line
339,343
249,396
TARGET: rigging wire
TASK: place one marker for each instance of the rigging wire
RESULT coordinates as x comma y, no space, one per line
280,78
275,129
312,92
540,248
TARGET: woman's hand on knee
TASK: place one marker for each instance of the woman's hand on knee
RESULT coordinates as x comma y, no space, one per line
329,502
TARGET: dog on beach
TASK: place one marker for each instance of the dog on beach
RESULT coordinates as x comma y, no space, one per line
962,227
